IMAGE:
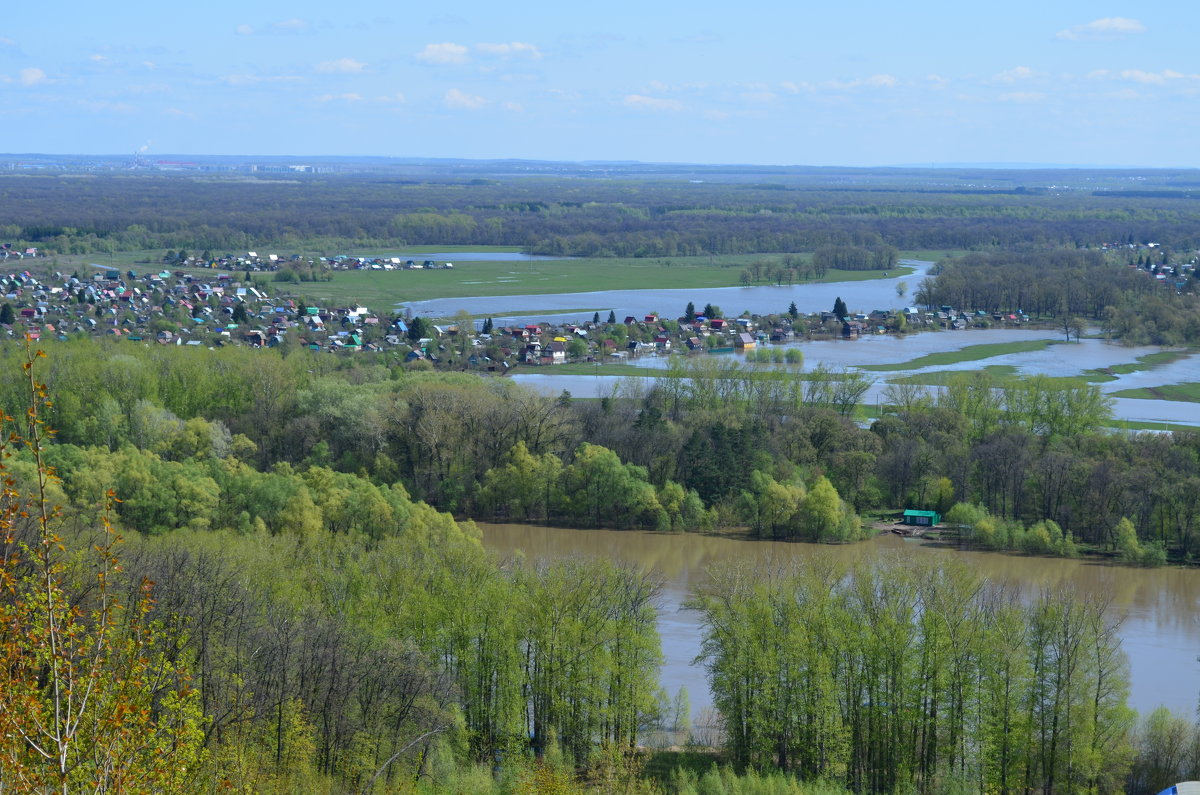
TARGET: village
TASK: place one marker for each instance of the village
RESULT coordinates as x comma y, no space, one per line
231,300
178,307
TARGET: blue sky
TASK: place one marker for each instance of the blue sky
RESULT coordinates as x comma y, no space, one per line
867,83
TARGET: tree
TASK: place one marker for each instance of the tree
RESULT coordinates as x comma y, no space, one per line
689,314
6,315
88,698
612,316
839,308
596,318
793,311
239,313
418,329
901,289
711,311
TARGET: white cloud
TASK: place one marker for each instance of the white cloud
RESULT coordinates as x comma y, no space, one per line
1106,28
248,80
31,76
340,98
1014,75
515,49
760,96
716,115
937,81
874,81
341,66
7,42
291,26
793,88
1022,96
643,102
459,100
1155,78
398,97
245,30
515,107
444,54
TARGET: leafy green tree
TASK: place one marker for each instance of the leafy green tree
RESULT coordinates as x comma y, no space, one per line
7,317
89,698
839,308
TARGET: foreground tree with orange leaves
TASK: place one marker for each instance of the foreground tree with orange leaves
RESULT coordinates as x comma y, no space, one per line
89,700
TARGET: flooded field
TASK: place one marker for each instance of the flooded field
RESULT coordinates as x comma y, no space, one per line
859,296
1160,630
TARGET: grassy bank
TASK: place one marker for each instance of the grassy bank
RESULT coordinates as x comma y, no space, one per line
1186,393
470,279
971,353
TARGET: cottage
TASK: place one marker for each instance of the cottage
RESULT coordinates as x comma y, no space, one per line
922,518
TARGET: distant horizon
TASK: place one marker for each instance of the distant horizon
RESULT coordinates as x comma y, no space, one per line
153,157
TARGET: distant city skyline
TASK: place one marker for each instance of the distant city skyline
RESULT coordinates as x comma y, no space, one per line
1069,83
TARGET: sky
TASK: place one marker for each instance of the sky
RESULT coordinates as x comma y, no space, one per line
854,84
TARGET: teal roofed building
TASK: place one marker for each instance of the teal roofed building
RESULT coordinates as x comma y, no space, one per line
922,518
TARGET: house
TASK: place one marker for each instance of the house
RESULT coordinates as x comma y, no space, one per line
852,329
921,518
744,341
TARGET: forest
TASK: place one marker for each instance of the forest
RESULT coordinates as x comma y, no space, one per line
315,623
1118,292
728,445
629,216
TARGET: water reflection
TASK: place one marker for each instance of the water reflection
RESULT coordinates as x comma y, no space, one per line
1160,632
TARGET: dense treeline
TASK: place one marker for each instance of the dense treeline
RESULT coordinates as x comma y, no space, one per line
1127,302
888,676
641,218
717,444
316,657
339,635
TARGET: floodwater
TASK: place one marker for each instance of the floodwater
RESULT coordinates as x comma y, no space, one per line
859,296
476,256
1160,629
597,386
1065,359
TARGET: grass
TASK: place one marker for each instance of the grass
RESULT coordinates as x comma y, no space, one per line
589,368
469,279
1186,393
971,353
1141,425
1147,362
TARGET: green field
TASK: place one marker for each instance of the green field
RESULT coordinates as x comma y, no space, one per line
971,353
1147,362
1185,393
472,278
469,279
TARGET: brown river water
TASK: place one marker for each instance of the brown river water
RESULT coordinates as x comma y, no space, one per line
1160,623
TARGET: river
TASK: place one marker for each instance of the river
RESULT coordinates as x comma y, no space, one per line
508,309
1160,630
1059,360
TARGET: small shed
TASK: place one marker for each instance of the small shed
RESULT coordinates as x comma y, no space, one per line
922,518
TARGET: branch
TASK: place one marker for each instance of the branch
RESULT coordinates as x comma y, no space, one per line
371,784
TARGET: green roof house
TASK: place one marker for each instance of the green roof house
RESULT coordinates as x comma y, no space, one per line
922,518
